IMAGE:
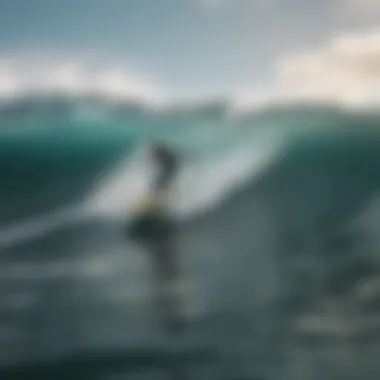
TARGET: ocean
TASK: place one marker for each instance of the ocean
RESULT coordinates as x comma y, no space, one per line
277,213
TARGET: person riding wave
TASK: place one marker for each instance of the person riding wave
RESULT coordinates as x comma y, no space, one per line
154,228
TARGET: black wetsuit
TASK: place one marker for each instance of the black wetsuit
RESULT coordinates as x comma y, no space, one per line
167,168
163,247
157,233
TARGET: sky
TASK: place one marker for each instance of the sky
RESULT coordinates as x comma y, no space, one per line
190,48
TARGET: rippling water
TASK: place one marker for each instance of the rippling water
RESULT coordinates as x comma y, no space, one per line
277,217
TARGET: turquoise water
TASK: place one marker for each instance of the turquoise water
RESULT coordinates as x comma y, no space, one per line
277,214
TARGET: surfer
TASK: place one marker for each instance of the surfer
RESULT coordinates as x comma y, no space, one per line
163,247
155,229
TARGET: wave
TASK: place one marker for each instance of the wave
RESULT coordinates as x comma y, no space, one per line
296,173
201,186
97,110
202,183
31,228
219,160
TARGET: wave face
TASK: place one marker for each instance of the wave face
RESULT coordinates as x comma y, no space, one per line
278,214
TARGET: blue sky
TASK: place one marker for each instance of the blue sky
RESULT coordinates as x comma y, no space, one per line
192,47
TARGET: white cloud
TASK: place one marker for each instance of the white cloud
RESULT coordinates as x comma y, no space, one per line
345,71
19,75
347,68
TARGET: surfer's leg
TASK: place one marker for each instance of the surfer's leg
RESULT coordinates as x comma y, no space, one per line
168,257
168,276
